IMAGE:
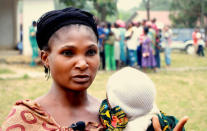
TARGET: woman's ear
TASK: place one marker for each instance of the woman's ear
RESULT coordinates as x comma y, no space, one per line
44,58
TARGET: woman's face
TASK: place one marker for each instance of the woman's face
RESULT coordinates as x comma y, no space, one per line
73,58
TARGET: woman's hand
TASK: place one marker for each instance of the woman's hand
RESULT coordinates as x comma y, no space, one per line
178,127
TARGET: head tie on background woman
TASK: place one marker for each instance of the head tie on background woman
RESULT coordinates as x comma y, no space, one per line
50,22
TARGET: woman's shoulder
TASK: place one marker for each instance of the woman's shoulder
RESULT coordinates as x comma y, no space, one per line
27,114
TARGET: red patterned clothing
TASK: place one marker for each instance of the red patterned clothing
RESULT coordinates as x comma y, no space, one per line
28,116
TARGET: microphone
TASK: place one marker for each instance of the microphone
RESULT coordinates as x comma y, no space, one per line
79,126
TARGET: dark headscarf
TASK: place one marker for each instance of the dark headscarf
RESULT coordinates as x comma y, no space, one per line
50,22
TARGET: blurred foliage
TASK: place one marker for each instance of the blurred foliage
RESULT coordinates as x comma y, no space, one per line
105,8
74,3
125,15
101,8
186,13
155,5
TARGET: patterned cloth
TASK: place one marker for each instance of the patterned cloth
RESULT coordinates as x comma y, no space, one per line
167,123
28,116
113,119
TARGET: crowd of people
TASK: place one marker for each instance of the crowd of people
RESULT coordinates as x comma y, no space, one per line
136,44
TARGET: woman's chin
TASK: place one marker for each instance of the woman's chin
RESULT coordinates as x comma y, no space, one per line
79,86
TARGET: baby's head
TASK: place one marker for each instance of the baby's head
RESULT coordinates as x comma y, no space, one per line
132,90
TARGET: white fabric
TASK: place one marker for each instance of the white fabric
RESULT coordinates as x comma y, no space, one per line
198,35
132,43
143,122
116,44
135,93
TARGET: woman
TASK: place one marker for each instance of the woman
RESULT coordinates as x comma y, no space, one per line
148,59
33,42
109,52
132,44
68,42
122,44
167,35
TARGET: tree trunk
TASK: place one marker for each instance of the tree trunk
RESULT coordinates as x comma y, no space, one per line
101,11
148,9
103,14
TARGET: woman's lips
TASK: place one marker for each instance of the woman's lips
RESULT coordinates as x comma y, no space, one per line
81,78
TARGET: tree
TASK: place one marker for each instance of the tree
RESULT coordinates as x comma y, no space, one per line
103,8
186,13
74,3
155,4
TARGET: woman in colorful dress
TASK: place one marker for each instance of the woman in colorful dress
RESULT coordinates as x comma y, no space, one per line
148,59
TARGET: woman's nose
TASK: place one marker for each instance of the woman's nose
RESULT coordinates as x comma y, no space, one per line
81,63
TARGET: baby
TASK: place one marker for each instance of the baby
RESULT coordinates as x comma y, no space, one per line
130,103
135,93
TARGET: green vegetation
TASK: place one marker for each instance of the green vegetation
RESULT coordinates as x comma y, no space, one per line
156,5
102,8
186,13
179,92
5,71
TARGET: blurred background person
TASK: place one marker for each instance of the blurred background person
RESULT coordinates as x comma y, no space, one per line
167,35
201,45
148,59
195,39
109,50
116,33
33,42
132,43
122,30
157,48
101,34
139,48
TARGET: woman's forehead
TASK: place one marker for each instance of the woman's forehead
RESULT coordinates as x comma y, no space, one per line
73,32
76,28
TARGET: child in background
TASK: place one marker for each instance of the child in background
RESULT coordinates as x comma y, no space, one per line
132,92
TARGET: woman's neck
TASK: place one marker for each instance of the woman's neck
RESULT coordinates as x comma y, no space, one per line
66,98
67,107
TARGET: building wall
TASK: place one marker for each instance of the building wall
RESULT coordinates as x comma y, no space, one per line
32,10
7,24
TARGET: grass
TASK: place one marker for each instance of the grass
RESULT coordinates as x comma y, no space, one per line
179,93
6,71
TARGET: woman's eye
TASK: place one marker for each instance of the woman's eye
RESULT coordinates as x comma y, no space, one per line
91,52
67,53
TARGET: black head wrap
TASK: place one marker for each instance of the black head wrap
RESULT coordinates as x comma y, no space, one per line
50,22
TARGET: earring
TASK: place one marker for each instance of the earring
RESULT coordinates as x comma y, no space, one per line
47,72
